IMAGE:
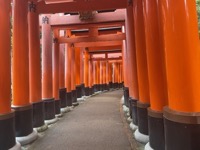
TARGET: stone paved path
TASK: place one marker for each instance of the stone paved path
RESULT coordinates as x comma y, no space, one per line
96,124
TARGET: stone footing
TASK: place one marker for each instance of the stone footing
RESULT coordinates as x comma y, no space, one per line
62,95
7,131
24,140
156,129
49,109
182,130
38,114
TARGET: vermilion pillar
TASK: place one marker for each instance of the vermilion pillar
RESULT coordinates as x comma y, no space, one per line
98,76
68,74
78,71
91,80
73,75
157,75
101,75
95,76
7,127
86,72
62,89
82,71
182,52
104,75
56,71
20,72
115,76
129,58
142,71
47,84
107,75
110,75
35,66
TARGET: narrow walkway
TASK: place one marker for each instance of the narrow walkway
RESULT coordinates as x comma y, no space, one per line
94,125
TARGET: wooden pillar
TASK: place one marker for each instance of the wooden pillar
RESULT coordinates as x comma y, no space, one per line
35,66
68,69
142,71
56,71
104,75
181,44
107,75
7,123
78,71
157,75
91,77
95,75
47,83
98,75
73,75
115,74
20,73
101,75
131,93
110,75
82,71
62,88
86,72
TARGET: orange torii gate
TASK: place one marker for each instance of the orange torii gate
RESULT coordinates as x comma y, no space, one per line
160,55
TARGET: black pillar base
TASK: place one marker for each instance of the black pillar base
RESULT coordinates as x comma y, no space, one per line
23,120
107,87
83,89
38,114
115,85
110,85
95,88
74,96
57,107
142,117
126,96
7,131
91,90
62,95
134,111
87,91
101,87
182,130
49,109
129,106
69,99
79,91
156,129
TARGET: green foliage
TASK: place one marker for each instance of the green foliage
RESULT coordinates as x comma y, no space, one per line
198,12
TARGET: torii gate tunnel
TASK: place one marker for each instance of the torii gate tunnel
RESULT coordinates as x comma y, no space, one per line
63,50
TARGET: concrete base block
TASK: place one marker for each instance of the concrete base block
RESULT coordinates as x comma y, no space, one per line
75,104
16,147
59,115
128,114
65,110
27,139
133,126
122,100
86,97
141,137
71,108
52,121
42,128
129,119
125,109
80,99
148,147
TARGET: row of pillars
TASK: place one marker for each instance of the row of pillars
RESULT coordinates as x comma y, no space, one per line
162,73
46,83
